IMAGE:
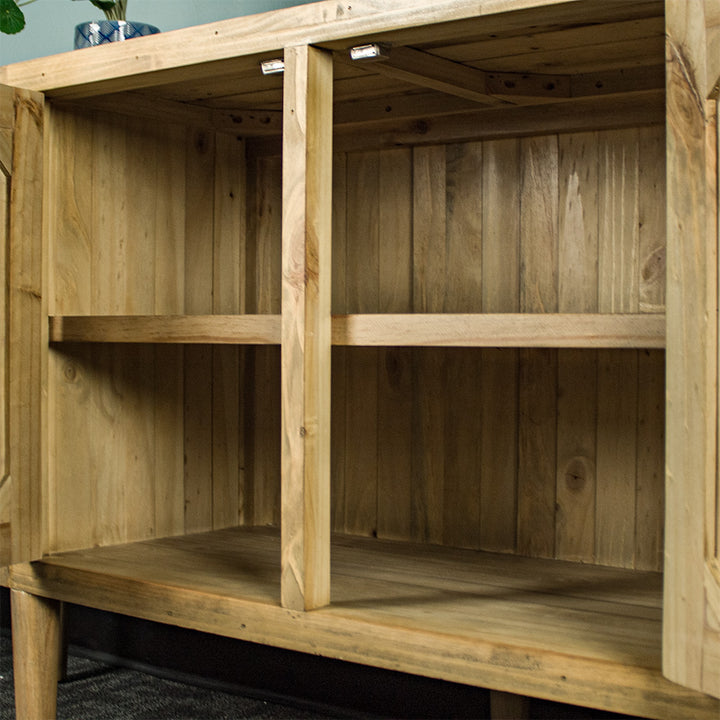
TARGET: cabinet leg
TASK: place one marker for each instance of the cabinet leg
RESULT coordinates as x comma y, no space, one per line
507,706
36,628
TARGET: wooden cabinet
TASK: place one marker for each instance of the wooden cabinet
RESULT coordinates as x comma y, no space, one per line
409,361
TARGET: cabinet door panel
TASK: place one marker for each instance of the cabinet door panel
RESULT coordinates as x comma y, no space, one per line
691,639
23,326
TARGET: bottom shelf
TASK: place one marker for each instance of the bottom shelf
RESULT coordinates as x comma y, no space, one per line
580,634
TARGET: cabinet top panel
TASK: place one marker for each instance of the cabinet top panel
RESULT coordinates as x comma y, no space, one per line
442,60
499,35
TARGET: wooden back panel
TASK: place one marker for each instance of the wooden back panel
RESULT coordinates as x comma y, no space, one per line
551,453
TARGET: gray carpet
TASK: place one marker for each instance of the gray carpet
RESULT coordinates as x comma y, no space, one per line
104,692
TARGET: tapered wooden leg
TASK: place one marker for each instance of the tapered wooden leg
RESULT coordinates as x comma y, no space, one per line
507,706
36,649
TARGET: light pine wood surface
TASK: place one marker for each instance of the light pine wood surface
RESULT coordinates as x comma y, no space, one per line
427,299
510,623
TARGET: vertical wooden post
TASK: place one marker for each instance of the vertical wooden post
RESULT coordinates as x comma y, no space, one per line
36,629
306,237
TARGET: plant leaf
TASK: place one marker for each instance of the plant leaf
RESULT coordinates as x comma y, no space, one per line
12,19
104,4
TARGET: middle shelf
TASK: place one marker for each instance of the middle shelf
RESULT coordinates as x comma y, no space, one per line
559,330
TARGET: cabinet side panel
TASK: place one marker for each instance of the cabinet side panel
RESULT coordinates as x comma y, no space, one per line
27,331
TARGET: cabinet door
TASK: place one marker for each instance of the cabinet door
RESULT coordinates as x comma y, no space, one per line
23,323
691,635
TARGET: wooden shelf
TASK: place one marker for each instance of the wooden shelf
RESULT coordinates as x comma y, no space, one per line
414,330
560,629
502,330
206,329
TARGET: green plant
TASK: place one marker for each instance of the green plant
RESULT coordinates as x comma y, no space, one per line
12,19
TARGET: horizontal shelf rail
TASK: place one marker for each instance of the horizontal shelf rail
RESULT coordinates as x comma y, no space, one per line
559,330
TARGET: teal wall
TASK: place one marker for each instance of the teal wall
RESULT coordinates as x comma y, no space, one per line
50,23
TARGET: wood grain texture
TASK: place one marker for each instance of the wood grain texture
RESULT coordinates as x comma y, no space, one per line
395,389
36,650
577,371
500,293
229,272
27,308
692,349
5,481
326,23
512,624
364,238
306,269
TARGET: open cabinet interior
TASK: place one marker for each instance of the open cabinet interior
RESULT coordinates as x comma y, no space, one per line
498,287
543,452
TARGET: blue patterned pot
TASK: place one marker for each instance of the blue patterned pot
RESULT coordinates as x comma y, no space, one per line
99,32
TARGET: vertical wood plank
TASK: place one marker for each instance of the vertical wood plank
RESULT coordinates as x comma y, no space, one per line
71,212
199,217
537,434
169,243
619,274
109,238
576,481
133,370
500,293
140,198
537,453
395,392
169,493
73,456
650,485
577,369
429,286
616,457
463,436
618,291
539,225
136,365
169,221
306,268
27,331
361,283
109,272
69,204
651,220
338,371
229,269
264,418
429,219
